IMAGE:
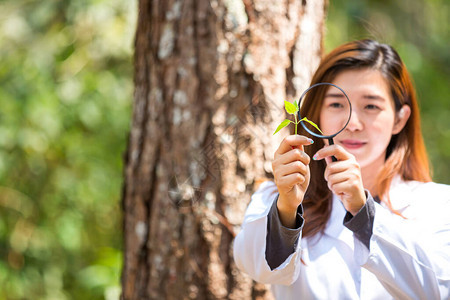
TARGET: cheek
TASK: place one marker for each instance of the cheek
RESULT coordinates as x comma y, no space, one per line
330,123
381,134
383,127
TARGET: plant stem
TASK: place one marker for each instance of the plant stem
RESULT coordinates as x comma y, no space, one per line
296,123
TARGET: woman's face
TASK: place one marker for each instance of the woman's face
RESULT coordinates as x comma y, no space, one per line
373,121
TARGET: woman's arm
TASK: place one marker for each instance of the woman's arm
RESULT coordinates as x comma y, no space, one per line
250,245
251,250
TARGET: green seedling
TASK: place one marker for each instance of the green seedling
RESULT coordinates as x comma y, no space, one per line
292,109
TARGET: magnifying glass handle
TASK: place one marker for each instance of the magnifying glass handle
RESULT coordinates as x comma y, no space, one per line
331,142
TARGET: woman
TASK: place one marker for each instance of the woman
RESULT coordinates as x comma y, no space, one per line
374,225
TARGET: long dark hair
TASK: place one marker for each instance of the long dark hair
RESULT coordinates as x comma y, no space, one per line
406,155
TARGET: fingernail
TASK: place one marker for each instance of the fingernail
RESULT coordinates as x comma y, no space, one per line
315,157
311,141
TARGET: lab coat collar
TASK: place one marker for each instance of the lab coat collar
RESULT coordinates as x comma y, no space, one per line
400,191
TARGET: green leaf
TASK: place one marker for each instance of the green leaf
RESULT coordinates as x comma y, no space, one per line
312,123
296,105
282,125
290,108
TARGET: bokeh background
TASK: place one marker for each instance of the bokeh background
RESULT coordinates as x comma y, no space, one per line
66,90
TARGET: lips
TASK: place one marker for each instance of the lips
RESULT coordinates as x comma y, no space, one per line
352,144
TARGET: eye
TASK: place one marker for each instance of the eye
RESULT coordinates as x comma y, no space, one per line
372,107
335,105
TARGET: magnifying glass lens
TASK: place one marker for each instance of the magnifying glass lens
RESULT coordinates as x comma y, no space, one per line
335,110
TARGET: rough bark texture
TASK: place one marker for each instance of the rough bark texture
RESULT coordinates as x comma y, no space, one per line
210,81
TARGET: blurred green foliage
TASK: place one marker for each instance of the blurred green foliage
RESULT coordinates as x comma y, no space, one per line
65,104
419,30
65,108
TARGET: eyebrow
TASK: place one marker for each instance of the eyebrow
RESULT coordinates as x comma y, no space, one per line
373,97
368,96
335,95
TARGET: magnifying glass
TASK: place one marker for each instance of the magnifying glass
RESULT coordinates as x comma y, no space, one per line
311,92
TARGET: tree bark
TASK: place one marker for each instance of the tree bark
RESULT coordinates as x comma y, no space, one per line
210,81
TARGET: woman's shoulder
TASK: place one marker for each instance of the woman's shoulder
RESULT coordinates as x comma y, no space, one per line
422,188
420,195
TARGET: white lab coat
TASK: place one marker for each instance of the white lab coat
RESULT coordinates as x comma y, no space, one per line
408,259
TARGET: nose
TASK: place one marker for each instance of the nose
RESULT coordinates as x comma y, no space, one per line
355,123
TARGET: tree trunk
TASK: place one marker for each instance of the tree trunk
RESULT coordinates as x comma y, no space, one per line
210,81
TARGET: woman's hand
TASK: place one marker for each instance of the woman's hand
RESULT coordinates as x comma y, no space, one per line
291,171
343,177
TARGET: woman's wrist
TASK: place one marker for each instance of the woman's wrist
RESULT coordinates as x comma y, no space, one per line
356,207
287,213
